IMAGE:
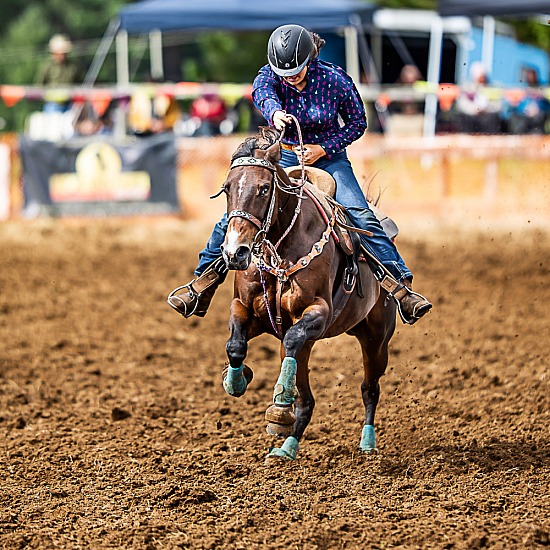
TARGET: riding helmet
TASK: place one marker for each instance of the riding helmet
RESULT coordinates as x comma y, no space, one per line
289,50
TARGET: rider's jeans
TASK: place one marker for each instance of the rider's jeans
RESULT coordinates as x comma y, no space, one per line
350,195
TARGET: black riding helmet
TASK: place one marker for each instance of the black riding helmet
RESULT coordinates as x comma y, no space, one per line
289,50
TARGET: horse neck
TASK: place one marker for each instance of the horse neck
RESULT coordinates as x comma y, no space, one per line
304,236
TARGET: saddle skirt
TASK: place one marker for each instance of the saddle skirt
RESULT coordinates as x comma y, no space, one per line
321,183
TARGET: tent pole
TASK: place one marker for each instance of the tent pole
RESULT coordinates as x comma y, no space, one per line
434,71
488,43
155,46
122,63
352,53
101,52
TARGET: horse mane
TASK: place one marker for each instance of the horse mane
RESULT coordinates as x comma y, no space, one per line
266,137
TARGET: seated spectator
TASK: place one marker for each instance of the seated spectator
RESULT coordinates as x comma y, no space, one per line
406,114
208,111
59,70
476,113
147,116
529,112
409,75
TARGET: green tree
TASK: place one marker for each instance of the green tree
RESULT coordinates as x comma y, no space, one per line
26,29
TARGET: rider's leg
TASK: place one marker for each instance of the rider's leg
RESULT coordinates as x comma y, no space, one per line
412,306
195,297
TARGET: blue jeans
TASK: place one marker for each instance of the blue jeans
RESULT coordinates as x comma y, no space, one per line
348,194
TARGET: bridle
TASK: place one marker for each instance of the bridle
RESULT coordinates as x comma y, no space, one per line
263,226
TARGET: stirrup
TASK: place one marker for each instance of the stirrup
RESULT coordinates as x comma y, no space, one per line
180,305
399,291
203,286
419,310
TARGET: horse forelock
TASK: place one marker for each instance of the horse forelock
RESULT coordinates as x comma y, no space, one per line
262,141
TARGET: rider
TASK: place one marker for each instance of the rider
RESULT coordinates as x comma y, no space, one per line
319,94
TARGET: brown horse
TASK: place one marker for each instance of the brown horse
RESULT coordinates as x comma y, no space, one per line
288,282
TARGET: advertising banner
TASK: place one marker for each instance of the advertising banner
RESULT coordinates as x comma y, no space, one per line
97,176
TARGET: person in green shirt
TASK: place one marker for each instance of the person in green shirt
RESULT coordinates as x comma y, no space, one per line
59,70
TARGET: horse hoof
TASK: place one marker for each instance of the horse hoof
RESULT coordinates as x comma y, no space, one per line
234,382
280,454
370,451
279,430
368,440
287,451
280,414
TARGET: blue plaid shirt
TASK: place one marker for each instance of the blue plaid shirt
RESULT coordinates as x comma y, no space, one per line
329,96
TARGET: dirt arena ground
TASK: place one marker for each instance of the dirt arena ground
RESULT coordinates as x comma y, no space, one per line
115,431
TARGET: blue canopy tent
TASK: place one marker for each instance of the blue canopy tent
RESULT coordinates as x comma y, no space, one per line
169,15
158,16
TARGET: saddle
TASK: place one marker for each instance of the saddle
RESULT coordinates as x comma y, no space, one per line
323,187
324,182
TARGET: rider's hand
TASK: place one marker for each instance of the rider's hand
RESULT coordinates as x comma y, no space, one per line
281,119
312,153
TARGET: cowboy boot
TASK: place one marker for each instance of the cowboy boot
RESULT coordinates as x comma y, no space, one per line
195,297
410,305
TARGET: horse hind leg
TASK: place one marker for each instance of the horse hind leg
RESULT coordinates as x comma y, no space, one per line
296,350
280,415
374,336
303,409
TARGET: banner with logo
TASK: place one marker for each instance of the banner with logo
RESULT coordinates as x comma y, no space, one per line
96,176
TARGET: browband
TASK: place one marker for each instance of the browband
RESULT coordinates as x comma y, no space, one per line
251,161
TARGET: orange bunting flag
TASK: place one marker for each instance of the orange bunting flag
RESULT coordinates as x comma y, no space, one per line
100,100
12,95
447,94
383,101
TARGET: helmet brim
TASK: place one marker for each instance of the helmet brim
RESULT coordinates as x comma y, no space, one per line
289,72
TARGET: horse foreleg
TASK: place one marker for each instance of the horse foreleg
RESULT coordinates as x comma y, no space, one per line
237,375
293,384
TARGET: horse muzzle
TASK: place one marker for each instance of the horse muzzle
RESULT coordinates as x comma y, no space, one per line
237,258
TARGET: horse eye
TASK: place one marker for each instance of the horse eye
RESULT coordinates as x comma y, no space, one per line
264,190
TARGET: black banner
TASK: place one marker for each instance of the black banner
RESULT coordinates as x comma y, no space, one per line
96,176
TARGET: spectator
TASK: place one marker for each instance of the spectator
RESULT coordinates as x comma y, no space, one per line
59,70
155,115
209,111
528,113
406,113
409,75
476,113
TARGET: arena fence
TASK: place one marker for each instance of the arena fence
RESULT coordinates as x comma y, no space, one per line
446,178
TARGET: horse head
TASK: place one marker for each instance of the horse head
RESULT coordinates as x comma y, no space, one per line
251,198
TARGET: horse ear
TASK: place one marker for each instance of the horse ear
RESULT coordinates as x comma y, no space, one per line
273,153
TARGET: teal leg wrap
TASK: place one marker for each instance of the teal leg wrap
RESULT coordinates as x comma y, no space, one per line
234,383
287,451
368,439
285,390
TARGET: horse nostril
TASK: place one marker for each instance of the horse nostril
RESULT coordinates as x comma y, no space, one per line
242,253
